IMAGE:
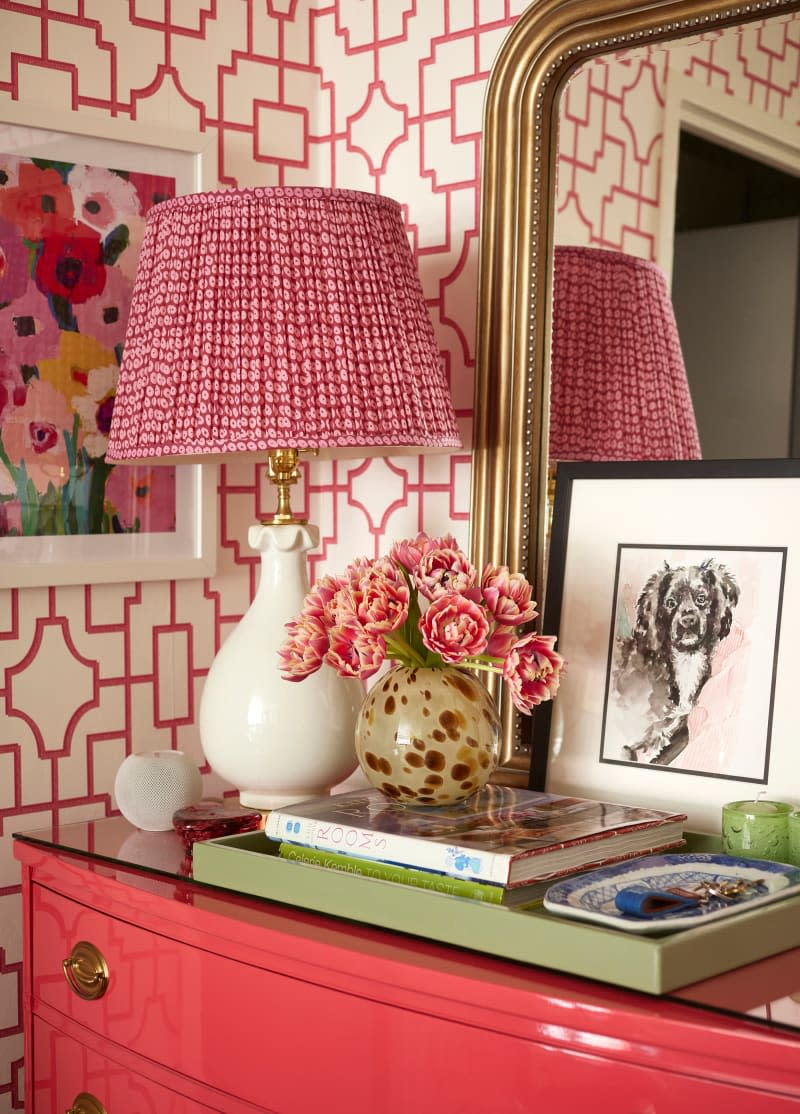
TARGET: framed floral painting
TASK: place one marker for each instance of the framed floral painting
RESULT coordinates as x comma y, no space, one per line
73,208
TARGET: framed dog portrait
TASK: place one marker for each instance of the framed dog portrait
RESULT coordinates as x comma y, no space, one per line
673,588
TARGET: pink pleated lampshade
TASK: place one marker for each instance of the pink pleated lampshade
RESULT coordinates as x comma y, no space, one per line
267,318
618,383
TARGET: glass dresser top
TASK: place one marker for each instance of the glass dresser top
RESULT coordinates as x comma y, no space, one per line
767,991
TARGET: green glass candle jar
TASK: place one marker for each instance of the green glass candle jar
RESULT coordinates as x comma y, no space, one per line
756,830
794,837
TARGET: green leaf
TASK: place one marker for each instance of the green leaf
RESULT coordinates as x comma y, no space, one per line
100,471
62,311
4,457
29,503
61,168
51,520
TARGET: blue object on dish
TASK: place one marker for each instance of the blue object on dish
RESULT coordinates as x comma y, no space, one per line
592,896
641,902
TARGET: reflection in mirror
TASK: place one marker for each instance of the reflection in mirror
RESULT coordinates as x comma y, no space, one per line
618,385
714,200
735,291
625,103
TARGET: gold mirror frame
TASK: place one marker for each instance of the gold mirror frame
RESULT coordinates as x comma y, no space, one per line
545,46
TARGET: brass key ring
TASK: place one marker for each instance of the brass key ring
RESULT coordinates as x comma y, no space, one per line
725,890
728,890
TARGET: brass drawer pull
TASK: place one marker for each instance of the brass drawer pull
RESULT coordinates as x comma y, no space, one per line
86,1104
86,971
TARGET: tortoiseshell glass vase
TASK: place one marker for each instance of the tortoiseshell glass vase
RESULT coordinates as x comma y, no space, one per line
428,736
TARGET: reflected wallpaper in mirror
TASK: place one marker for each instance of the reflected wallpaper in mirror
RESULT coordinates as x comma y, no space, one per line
719,212
582,146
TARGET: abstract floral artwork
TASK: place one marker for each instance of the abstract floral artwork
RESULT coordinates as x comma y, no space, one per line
69,241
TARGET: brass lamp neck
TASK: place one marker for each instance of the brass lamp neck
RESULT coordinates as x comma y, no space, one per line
283,471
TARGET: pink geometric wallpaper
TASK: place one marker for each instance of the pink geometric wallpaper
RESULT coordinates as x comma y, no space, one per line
379,95
612,121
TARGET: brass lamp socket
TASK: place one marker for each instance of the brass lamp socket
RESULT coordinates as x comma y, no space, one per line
283,471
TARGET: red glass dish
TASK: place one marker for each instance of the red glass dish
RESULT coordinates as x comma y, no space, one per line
210,819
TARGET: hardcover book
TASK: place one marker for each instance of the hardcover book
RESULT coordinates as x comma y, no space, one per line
506,836
421,879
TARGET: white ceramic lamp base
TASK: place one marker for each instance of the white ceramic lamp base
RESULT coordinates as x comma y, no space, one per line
277,741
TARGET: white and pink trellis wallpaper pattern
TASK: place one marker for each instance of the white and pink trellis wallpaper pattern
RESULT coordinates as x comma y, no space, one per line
379,95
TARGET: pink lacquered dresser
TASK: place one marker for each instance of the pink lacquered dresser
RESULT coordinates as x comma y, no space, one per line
178,997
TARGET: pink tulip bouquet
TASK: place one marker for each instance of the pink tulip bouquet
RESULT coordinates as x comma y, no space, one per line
426,606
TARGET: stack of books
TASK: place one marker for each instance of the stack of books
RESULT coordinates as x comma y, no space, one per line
504,845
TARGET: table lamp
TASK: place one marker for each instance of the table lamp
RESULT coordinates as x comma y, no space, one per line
618,383
265,322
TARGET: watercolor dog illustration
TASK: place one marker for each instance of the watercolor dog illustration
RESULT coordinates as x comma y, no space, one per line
682,614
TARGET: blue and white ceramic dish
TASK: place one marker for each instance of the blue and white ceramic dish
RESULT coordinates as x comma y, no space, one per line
591,896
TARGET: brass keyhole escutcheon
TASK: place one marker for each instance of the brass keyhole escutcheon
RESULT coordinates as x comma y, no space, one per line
85,1103
86,971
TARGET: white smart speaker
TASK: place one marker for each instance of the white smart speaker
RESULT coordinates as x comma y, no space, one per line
151,787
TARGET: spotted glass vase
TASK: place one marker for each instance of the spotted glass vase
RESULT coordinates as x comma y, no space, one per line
428,736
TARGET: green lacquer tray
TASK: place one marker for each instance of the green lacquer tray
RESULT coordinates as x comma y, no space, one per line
250,864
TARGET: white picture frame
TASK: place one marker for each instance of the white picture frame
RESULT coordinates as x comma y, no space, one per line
733,737
191,549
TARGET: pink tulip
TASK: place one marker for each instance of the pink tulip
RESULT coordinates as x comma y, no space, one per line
455,627
303,650
319,600
507,596
533,671
444,570
384,601
446,541
410,552
501,641
354,652
356,569
345,607
386,568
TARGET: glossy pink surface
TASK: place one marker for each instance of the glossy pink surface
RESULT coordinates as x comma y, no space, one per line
298,1013
65,1068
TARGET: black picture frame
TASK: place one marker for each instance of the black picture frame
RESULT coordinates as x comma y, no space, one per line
740,516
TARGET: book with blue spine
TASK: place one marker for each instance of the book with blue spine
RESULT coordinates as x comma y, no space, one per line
502,835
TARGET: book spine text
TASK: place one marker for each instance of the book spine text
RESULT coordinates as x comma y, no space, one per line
391,847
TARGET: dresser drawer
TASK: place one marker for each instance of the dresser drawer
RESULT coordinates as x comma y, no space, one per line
64,1068
188,1009
295,1046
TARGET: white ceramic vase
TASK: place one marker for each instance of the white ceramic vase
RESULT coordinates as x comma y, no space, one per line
151,787
277,741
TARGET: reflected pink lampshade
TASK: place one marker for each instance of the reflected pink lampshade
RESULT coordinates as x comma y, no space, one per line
618,383
277,317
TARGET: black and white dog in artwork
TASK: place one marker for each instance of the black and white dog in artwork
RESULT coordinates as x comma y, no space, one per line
682,614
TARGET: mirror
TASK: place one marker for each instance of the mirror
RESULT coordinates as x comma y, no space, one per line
546,46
